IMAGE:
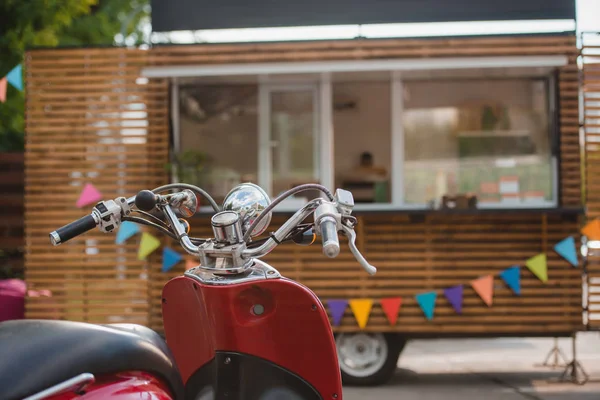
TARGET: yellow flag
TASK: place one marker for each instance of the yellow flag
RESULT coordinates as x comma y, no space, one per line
538,266
361,309
148,244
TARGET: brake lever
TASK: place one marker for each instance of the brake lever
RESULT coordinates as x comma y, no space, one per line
371,270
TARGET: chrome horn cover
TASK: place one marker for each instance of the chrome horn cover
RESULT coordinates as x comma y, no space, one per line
249,201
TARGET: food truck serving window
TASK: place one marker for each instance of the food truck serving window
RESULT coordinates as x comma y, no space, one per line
410,141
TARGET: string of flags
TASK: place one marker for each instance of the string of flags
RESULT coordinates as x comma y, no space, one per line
15,78
483,286
361,307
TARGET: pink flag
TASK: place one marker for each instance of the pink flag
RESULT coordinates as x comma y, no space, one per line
3,90
88,196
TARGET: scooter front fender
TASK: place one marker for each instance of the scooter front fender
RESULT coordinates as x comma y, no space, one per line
251,340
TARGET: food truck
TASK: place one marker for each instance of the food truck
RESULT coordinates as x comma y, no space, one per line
464,155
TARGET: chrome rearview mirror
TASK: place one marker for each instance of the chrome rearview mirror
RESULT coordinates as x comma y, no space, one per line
249,201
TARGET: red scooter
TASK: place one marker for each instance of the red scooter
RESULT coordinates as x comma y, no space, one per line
236,329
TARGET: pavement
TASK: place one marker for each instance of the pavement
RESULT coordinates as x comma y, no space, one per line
488,369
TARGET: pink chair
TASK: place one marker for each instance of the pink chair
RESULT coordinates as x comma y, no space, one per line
12,299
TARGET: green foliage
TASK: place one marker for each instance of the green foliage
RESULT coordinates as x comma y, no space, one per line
48,23
108,19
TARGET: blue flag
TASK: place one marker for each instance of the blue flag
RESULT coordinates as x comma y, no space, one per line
427,303
512,277
15,77
566,249
126,230
170,258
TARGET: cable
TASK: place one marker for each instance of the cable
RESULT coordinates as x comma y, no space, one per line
153,217
196,189
283,196
150,223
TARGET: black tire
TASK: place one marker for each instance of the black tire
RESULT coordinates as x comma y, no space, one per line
395,345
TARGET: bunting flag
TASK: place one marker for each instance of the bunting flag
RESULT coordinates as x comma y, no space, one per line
484,287
361,308
567,250
592,230
538,266
170,259
454,295
126,230
3,90
89,195
147,245
512,277
337,307
15,77
427,303
391,306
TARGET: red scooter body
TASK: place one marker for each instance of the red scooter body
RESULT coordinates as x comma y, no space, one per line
122,386
224,349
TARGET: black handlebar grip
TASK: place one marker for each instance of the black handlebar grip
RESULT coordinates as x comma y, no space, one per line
73,229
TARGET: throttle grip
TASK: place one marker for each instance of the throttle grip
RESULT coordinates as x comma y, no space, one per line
72,230
331,242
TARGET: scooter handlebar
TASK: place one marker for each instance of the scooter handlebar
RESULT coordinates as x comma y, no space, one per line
73,229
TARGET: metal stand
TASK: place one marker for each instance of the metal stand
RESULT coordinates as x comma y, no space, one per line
574,371
555,353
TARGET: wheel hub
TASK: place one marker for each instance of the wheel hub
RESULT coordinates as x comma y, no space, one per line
361,354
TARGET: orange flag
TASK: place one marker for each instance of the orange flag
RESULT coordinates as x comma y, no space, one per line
592,230
3,90
390,308
485,288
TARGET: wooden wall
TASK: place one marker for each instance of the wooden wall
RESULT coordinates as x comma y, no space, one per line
12,195
76,125
421,252
89,120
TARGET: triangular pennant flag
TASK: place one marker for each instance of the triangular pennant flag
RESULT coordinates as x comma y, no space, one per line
170,258
484,287
189,264
337,307
390,307
3,90
512,277
126,230
592,230
89,195
537,265
147,245
15,77
361,309
427,303
454,295
566,249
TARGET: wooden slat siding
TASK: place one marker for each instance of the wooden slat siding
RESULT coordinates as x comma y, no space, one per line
12,194
78,131
433,253
591,125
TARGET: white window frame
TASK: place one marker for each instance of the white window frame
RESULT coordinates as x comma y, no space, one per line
269,80
321,135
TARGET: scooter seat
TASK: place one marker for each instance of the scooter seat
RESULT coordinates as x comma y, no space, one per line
38,354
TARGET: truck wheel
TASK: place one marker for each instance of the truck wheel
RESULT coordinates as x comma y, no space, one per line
368,359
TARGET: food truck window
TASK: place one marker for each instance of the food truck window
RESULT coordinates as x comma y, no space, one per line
219,135
488,137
